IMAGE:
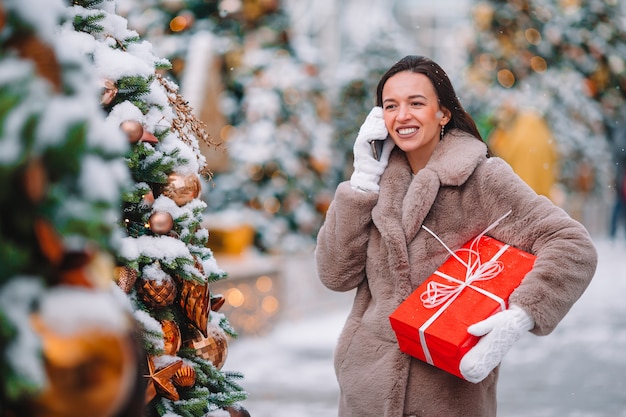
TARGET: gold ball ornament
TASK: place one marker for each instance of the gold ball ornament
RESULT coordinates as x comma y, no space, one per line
185,377
90,372
158,293
213,347
133,130
171,337
181,188
161,222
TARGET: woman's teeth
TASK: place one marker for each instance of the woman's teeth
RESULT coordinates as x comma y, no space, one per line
407,130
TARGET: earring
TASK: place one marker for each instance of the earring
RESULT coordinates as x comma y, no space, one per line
442,131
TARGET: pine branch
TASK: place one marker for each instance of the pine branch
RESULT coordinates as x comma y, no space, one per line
187,124
89,24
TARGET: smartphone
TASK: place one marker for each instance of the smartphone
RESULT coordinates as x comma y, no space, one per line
377,148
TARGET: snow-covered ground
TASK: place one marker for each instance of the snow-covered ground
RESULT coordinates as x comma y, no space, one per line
577,371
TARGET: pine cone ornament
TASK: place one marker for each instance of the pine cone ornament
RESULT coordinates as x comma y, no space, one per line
158,293
125,278
29,46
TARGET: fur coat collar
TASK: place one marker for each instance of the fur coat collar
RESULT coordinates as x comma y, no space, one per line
453,161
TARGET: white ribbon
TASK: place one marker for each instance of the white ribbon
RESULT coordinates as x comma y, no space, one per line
442,295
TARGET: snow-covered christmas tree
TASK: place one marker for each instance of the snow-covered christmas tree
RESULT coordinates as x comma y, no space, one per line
563,59
164,264
279,173
67,340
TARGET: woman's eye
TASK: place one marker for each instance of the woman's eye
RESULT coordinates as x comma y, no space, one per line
417,103
389,106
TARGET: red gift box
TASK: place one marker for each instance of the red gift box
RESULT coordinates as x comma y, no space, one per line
471,285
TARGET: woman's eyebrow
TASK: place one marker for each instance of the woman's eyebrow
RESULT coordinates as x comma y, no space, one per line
411,97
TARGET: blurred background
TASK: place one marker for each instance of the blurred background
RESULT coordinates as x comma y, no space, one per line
285,85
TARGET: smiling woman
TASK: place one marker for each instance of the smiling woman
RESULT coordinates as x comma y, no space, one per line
435,182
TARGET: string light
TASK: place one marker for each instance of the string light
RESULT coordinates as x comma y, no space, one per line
506,78
538,64
532,36
251,301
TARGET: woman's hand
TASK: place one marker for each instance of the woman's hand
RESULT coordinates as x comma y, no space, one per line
367,170
499,332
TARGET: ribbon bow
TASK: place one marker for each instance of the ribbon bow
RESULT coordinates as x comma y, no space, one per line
437,293
442,295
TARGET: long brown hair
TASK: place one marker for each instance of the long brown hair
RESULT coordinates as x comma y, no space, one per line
443,87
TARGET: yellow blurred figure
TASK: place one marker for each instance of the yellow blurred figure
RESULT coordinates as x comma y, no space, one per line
524,140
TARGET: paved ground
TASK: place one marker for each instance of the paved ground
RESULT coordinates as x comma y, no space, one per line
577,371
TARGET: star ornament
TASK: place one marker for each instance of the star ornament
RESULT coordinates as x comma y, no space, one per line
160,382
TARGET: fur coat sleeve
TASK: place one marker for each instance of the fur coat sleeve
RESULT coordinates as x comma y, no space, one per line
566,257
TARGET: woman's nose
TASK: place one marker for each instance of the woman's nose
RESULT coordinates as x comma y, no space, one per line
403,113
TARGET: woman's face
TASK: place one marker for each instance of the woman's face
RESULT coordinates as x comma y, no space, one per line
412,114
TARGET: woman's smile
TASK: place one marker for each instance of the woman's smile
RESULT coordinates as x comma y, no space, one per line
406,131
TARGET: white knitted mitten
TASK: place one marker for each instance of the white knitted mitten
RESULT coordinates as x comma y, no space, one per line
367,170
499,332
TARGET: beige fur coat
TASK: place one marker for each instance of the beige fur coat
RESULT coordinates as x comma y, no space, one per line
374,242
